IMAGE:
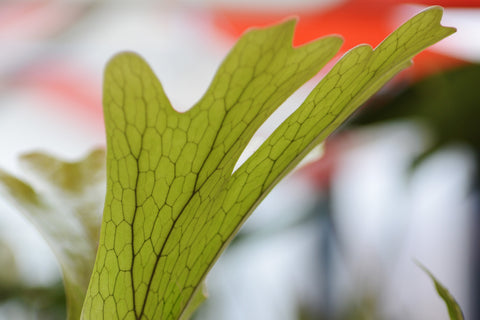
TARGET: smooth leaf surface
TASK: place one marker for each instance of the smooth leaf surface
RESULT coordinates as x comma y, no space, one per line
173,202
454,310
64,200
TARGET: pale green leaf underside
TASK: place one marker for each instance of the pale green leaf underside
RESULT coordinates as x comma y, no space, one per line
172,202
64,201
454,310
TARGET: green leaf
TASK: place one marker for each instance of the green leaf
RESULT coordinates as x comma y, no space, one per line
173,202
198,298
454,310
64,202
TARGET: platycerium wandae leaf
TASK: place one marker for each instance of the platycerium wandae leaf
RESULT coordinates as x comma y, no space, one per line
173,202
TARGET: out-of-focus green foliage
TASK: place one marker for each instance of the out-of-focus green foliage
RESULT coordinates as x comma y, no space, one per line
44,302
64,201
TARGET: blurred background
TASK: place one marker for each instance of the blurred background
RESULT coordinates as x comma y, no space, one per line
338,239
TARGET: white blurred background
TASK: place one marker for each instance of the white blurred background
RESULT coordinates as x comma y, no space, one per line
340,249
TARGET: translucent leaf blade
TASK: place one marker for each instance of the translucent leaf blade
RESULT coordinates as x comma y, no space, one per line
172,202
161,163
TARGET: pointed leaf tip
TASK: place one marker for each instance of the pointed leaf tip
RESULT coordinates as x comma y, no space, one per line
454,310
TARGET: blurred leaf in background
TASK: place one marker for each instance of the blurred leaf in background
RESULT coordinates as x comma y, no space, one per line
64,200
41,302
